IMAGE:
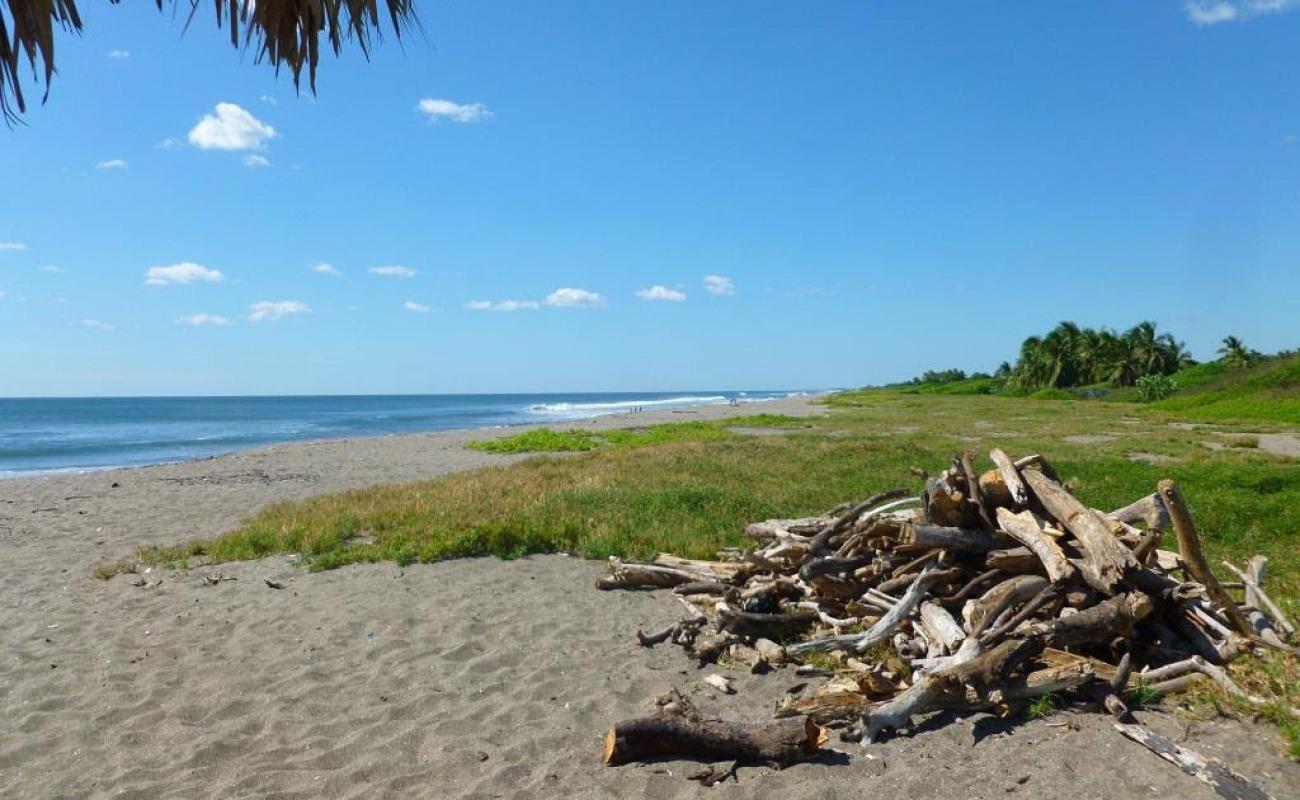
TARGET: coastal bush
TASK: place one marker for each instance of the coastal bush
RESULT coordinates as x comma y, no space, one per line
1155,387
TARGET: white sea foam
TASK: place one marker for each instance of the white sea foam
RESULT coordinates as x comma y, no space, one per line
613,407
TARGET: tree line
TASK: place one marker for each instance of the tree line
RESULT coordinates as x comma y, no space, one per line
1071,355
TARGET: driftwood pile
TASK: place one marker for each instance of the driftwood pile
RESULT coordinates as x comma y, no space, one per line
981,593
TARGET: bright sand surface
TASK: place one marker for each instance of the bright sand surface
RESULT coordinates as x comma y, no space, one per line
472,678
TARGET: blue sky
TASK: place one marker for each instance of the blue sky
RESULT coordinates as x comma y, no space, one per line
879,188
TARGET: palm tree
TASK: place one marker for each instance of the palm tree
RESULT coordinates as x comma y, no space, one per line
1235,353
280,31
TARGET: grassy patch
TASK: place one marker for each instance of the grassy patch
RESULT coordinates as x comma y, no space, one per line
1268,392
1044,705
545,440
766,421
541,440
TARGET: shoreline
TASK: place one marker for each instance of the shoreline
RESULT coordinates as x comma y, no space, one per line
641,416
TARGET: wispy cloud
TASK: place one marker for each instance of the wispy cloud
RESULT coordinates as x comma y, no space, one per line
395,271
53,269
203,319
502,305
12,246
419,308
166,144
269,99
98,325
719,285
119,54
327,269
185,272
1214,12
574,298
271,310
256,161
230,127
437,110
658,292
112,163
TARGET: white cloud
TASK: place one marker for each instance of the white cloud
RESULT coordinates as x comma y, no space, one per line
269,99
568,298
185,272
437,110
419,308
271,310
1214,12
502,305
166,144
393,271
119,54
112,163
231,127
203,319
98,325
719,285
12,246
255,161
658,292
327,269
51,268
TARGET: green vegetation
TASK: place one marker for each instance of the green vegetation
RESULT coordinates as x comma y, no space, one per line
1155,387
541,440
1069,355
1042,706
545,440
1268,391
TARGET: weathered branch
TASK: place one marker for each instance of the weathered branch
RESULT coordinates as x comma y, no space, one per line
1189,548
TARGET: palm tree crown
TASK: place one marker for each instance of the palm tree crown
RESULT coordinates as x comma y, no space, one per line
280,31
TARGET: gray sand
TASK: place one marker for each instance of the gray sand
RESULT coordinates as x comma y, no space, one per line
475,678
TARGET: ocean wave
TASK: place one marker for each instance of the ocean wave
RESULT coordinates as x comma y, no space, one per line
623,405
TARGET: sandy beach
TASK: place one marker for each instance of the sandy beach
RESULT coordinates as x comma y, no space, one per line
476,678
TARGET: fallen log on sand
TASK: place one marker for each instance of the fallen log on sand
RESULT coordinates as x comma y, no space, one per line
679,729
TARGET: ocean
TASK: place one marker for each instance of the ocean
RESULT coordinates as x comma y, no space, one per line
40,435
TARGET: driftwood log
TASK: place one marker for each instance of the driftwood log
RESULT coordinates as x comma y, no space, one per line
680,730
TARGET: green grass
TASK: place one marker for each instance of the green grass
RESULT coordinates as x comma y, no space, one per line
1044,705
545,440
541,440
1267,392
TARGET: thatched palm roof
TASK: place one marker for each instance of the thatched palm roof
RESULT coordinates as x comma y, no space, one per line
280,31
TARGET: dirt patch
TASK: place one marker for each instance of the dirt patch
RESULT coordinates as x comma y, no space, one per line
1088,438
744,430
1149,458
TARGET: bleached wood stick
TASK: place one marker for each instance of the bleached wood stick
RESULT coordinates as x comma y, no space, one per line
1108,561
1262,600
1224,781
1150,509
877,632
1027,529
1189,548
1011,477
940,626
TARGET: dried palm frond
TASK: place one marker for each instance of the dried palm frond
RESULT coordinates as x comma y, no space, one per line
281,31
